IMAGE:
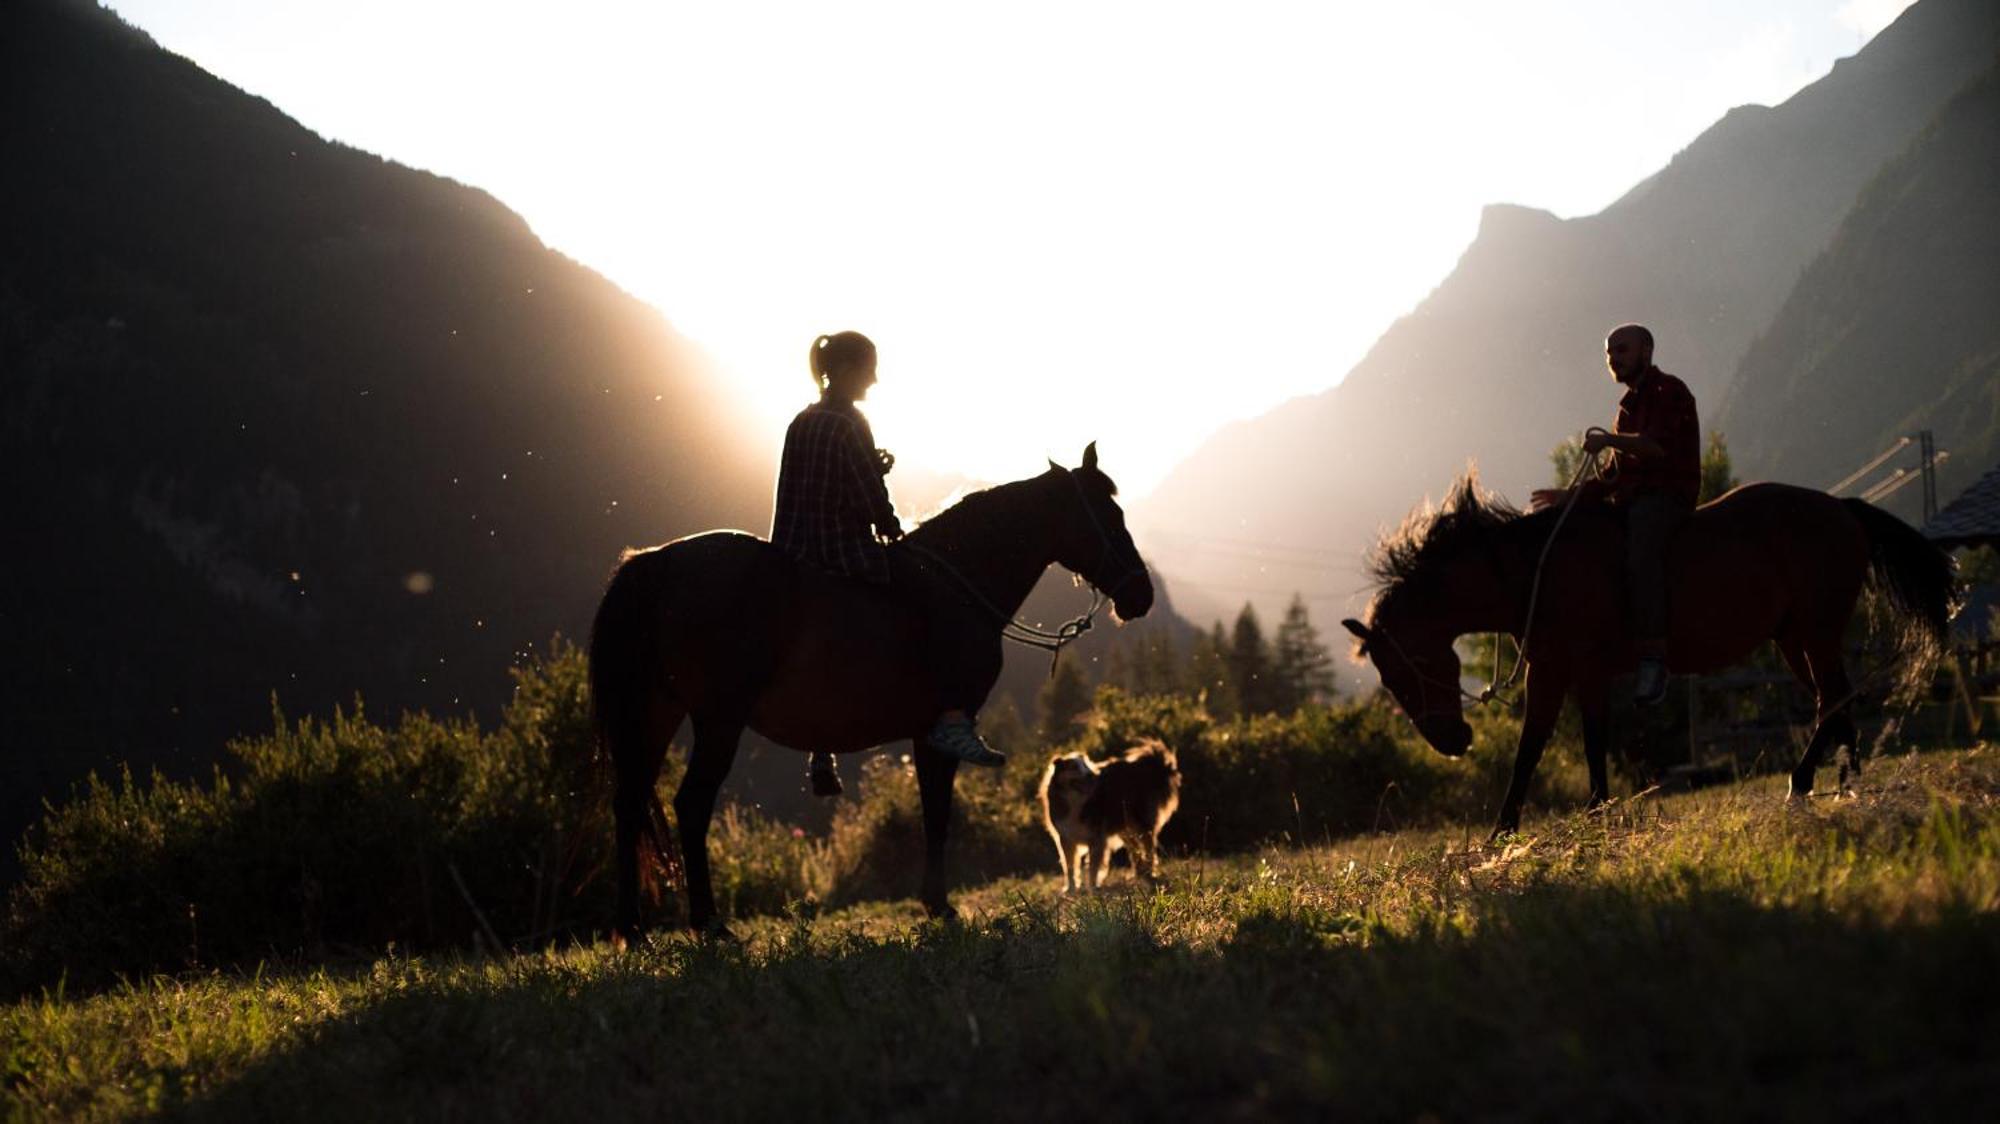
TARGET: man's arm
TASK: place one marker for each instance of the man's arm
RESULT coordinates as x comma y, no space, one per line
1633,444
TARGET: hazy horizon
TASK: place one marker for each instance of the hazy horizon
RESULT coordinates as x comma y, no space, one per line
1044,221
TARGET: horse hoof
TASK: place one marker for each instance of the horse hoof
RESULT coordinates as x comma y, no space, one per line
942,911
715,931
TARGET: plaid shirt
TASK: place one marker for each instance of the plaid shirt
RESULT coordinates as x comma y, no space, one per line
1661,408
830,492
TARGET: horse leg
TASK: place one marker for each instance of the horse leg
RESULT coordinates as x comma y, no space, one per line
636,755
1545,698
1832,694
1150,851
1593,698
694,803
935,770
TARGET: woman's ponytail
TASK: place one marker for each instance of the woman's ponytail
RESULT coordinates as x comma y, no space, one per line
816,361
836,352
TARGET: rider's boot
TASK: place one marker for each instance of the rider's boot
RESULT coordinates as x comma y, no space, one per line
825,777
960,738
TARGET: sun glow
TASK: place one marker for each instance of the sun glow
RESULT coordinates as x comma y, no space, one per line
1123,222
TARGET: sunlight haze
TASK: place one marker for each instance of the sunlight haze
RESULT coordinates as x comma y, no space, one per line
1060,222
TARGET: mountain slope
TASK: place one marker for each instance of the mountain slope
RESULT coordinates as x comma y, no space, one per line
282,418
1893,329
280,415
1504,358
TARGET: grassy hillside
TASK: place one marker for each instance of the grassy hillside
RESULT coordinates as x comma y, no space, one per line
1719,954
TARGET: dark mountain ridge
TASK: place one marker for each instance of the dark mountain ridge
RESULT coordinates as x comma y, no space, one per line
1504,358
1894,328
283,416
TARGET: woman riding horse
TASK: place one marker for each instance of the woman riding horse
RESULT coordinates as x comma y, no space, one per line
728,631
830,490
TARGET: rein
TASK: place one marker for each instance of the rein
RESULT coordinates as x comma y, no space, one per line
1492,691
1028,635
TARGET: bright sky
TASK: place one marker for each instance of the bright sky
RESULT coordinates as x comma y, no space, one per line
1128,222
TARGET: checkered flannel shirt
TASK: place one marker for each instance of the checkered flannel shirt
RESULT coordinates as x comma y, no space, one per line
830,493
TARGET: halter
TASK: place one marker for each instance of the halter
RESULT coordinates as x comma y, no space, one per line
1425,678
1028,635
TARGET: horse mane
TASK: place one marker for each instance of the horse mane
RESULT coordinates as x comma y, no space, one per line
976,504
1431,535
960,507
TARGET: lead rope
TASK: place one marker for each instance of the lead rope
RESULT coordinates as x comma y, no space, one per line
1587,465
1028,635
1010,629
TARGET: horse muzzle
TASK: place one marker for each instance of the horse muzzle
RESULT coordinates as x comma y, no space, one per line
1449,736
1134,599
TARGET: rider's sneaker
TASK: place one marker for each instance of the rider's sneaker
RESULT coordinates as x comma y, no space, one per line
1650,686
960,739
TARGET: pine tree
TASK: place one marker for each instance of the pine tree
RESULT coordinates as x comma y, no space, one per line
1157,669
1061,704
1000,723
1248,659
1717,475
1208,668
1301,666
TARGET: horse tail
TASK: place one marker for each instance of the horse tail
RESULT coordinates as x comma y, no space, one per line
617,648
624,671
1915,578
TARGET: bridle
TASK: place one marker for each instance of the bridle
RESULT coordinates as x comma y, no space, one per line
1425,681
1587,466
1027,635
1134,568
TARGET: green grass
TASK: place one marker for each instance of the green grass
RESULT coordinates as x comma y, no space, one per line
1719,954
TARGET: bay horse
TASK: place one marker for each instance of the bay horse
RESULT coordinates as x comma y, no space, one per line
1764,562
724,629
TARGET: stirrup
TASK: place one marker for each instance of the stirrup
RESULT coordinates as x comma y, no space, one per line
961,740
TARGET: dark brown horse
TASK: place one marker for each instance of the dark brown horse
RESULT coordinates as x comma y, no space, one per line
1765,562
724,629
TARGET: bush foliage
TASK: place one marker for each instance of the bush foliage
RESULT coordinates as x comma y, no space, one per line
345,836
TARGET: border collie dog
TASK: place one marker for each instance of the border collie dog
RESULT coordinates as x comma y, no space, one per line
1091,807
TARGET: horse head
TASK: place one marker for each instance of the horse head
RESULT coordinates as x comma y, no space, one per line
1091,539
1419,668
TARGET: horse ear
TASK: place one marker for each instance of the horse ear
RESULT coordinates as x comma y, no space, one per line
1053,466
1362,631
1090,455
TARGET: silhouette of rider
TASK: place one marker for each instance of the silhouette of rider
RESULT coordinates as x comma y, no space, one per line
833,512
1655,478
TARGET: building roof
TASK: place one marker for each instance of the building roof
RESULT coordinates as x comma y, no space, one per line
1972,518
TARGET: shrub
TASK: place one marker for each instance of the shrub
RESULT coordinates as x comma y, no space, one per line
1322,771
335,836
875,848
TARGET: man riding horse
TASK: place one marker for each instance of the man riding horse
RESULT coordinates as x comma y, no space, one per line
1655,480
